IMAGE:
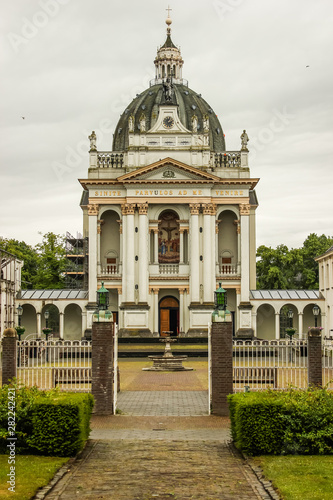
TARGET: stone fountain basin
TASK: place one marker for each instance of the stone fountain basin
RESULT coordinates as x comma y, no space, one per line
167,363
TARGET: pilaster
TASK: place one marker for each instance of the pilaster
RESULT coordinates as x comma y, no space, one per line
93,214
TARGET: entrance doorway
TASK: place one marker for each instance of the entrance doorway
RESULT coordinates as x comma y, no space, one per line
169,316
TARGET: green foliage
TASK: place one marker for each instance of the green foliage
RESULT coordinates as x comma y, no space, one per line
282,268
276,422
47,422
22,404
26,253
44,264
61,425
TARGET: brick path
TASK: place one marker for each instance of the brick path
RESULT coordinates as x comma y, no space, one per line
163,452
159,458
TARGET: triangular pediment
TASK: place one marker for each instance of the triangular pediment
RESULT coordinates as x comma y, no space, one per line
167,170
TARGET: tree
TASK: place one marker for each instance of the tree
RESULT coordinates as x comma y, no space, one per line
28,254
52,261
282,268
44,264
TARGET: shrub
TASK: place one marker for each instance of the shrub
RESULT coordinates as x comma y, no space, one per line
61,425
47,422
275,422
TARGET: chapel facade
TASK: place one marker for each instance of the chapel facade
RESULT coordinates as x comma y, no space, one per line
170,213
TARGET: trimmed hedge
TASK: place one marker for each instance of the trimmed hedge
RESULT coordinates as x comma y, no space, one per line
274,422
60,426
47,422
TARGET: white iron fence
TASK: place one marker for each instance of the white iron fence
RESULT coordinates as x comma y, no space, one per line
328,363
279,364
56,363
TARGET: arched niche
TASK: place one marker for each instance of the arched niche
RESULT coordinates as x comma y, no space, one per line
168,238
266,322
110,241
29,320
53,320
227,241
286,321
73,322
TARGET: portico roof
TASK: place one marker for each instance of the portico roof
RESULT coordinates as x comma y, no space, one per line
285,295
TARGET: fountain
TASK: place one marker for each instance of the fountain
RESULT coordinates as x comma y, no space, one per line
167,362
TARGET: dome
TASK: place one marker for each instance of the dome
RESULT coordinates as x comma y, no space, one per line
189,103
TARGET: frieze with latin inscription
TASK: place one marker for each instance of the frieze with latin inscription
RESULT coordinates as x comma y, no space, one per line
121,193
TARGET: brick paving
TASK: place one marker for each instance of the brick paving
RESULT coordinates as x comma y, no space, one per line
164,446
158,470
167,403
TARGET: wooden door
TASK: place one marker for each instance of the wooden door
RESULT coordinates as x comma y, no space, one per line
164,320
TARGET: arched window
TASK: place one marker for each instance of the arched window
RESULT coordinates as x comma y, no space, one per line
168,238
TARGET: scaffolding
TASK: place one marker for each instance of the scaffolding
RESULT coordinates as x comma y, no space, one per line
10,284
76,273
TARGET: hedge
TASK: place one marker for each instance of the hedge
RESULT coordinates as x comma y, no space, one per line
276,422
47,422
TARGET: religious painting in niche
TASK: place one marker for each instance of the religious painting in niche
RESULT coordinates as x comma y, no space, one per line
168,239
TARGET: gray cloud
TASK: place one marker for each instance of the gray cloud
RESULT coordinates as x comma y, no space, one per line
69,69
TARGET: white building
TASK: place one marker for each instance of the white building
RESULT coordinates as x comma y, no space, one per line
169,213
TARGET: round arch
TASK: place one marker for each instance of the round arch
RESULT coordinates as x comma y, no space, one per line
308,317
168,237
110,241
73,322
266,322
29,319
286,321
169,315
53,320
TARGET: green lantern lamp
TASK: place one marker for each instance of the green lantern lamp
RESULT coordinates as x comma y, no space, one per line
221,313
102,313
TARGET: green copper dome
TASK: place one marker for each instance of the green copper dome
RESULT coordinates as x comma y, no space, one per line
189,103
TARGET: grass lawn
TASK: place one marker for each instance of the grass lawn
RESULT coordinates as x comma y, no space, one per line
32,473
299,477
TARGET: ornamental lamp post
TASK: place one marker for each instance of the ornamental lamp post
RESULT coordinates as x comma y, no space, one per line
315,312
221,313
102,312
46,316
19,330
19,313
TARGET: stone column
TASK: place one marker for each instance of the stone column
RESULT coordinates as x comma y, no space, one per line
9,355
315,368
156,245
181,246
207,262
300,324
61,325
238,270
245,251
39,324
130,254
277,326
84,322
124,252
100,262
181,309
93,214
217,262
194,265
102,357
155,291
143,252
222,371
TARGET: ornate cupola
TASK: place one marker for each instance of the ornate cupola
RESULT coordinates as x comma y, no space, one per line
168,62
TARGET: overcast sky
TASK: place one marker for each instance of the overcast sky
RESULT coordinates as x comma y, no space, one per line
73,66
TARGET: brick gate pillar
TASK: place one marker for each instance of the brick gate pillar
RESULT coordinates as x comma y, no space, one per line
102,358
9,355
315,368
222,373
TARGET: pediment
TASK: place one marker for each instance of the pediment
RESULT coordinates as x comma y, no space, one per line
168,170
